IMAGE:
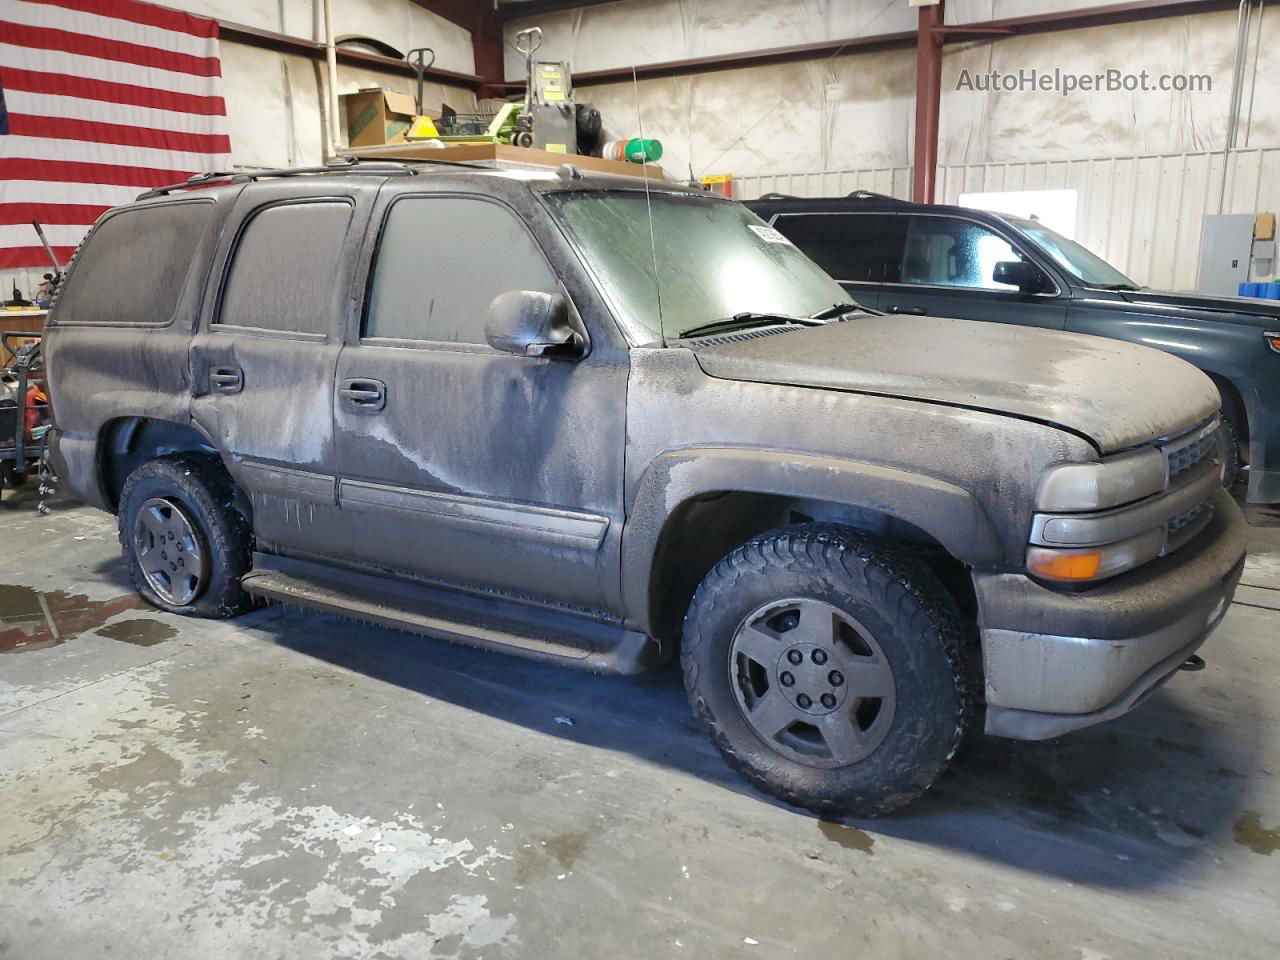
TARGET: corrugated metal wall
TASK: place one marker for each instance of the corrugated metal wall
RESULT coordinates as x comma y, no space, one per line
1143,214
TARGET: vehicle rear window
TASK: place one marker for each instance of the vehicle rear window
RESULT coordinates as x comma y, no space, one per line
846,245
133,267
284,272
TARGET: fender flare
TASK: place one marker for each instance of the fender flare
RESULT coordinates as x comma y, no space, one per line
943,510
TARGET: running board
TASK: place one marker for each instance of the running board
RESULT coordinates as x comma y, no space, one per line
479,621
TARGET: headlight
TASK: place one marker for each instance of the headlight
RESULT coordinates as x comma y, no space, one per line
1099,486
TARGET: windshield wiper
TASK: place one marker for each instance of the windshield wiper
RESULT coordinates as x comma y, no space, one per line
1115,286
742,321
836,310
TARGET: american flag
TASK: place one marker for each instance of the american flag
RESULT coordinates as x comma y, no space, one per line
103,98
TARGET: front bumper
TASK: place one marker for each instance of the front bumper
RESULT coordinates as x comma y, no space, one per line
1056,661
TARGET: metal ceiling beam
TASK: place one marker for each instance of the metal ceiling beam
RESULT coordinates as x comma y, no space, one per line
755,58
283,43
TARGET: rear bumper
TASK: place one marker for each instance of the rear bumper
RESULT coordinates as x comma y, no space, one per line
75,461
1056,662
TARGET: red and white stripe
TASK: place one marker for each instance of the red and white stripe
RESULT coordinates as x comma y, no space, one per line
105,99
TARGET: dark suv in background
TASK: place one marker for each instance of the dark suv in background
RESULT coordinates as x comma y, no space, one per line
905,258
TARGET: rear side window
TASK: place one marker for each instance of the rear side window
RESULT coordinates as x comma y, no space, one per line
135,264
846,245
441,261
949,252
284,272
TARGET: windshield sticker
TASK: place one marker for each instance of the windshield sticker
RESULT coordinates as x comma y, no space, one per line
770,235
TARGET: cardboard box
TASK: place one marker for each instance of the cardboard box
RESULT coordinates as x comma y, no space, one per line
376,116
1264,226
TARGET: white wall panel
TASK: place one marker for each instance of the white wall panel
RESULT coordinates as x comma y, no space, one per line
1143,214
970,11
275,101
401,23
648,31
855,111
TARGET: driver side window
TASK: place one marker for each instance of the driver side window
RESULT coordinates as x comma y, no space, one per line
440,263
949,252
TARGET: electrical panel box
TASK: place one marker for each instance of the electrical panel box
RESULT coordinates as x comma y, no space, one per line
1226,247
555,122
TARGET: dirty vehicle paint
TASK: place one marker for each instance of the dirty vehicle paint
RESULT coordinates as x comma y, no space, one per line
553,472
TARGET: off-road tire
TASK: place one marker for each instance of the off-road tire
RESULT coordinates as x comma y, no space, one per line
916,624
202,487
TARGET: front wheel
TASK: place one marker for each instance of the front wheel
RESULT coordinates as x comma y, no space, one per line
827,669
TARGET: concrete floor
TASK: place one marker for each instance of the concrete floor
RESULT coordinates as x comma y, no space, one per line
291,785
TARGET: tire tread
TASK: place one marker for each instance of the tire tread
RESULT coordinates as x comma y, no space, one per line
903,586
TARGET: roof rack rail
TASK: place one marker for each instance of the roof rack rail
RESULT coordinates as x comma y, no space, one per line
339,165
777,196
872,195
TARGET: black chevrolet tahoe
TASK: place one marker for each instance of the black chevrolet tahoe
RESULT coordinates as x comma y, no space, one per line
933,260
599,421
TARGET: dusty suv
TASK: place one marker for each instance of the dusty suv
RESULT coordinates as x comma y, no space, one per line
564,417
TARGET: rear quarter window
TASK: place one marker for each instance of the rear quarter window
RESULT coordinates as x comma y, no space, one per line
134,265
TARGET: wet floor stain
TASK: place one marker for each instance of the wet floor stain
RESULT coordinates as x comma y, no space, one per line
566,848
539,856
1248,831
34,619
141,633
851,838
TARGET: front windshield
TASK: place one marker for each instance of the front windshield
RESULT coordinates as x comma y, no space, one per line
1075,259
715,259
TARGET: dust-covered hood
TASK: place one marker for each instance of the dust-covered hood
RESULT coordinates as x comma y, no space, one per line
1116,394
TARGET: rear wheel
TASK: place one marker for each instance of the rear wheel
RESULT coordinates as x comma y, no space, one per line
186,546
827,669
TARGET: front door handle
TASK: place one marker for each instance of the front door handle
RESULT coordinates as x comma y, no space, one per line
914,311
226,379
363,394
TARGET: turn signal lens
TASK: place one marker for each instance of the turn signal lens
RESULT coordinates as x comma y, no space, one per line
1274,340
1055,565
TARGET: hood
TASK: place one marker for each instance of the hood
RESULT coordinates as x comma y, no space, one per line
1262,313
1115,394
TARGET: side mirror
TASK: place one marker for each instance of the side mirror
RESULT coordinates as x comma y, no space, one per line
532,324
1027,277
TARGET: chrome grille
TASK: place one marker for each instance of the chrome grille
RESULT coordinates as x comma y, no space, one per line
1188,451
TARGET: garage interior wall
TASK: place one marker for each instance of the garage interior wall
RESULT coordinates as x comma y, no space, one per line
850,117
275,101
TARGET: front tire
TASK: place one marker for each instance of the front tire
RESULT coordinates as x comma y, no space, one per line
827,668
186,545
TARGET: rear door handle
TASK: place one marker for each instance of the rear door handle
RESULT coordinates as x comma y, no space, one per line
226,379
363,394
914,311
